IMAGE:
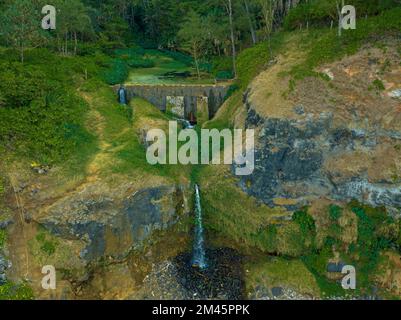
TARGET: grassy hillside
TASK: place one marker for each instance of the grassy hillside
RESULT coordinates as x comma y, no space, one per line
57,113
251,227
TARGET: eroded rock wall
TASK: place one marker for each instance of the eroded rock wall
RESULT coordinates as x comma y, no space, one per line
338,139
114,227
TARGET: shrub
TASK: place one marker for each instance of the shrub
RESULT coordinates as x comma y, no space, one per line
222,64
231,90
117,72
2,188
224,75
42,116
46,245
267,238
378,85
130,52
305,221
179,56
252,61
205,66
315,12
370,241
12,291
20,85
322,12
48,130
3,238
335,212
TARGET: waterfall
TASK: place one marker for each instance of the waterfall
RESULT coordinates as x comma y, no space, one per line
198,258
185,123
122,96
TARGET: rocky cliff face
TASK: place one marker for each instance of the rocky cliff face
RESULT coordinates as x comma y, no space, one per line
338,139
114,227
102,238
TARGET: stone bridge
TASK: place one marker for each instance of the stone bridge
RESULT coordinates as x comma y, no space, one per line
158,94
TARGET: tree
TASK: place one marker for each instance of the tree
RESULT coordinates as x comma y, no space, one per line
250,21
268,12
21,26
72,19
340,16
80,22
229,8
192,33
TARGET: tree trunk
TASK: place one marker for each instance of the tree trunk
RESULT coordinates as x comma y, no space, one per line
251,26
66,43
234,53
268,16
22,55
75,43
59,46
196,60
340,27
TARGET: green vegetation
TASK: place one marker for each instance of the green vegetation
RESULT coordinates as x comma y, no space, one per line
224,75
46,245
276,272
233,215
192,35
2,187
377,232
225,208
378,85
162,64
57,108
224,119
373,237
124,61
324,12
3,238
117,72
335,212
43,114
122,135
12,291
323,45
253,60
19,26
317,262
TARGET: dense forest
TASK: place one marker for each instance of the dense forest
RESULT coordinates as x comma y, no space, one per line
207,29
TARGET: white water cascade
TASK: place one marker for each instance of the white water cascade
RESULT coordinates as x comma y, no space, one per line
199,255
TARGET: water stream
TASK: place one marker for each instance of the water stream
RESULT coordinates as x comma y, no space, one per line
199,256
122,96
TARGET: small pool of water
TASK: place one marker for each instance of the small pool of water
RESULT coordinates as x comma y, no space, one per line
163,65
